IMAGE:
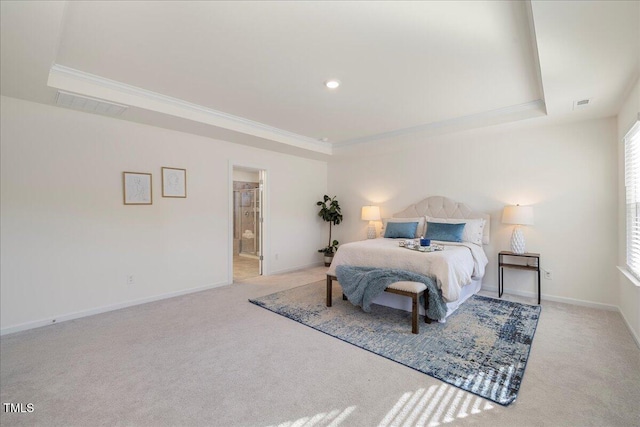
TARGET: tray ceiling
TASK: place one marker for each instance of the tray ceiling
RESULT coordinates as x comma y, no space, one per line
254,72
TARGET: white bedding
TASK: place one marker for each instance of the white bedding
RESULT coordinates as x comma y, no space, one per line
453,268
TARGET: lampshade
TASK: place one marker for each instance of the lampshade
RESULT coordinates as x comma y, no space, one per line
371,213
519,215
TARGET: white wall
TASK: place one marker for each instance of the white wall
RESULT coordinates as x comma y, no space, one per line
68,242
567,172
629,290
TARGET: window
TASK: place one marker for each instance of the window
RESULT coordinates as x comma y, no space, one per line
632,187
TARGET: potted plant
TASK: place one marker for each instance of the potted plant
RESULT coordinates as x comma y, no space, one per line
329,212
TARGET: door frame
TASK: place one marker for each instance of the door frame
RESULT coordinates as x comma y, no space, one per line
263,174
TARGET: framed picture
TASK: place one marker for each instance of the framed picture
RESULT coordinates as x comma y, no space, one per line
137,188
174,182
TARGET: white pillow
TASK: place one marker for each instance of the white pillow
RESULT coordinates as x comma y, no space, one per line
473,229
419,230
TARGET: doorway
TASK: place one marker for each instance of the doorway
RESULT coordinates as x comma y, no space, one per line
248,202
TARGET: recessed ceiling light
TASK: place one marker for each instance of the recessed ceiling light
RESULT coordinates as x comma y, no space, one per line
332,84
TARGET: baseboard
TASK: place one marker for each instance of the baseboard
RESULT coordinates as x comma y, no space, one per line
635,284
631,331
104,309
573,301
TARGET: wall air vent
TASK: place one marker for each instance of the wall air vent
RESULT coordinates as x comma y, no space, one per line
90,105
581,103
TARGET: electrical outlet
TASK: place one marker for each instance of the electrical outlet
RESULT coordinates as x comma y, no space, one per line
547,275
130,280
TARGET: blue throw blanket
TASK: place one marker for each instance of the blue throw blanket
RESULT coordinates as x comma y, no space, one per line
362,284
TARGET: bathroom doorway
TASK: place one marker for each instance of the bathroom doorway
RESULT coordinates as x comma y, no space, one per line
247,222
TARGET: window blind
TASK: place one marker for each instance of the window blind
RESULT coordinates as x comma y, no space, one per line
632,187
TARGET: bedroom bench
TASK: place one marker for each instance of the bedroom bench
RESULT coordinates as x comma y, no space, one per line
409,289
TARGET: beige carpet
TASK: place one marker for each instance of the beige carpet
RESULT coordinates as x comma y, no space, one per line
214,359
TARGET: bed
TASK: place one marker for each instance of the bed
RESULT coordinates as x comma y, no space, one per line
457,270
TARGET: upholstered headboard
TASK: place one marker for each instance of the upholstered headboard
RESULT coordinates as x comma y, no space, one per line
443,207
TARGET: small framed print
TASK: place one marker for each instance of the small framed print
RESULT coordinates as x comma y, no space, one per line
174,182
137,188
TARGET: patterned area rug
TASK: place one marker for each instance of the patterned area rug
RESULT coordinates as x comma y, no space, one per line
482,348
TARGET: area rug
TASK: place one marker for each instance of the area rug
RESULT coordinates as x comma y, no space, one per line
482,348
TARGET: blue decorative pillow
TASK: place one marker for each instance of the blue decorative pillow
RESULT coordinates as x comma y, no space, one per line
401,230
444,232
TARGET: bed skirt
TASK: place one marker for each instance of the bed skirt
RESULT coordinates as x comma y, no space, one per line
401,303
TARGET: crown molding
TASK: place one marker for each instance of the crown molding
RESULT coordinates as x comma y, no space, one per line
80,82
514,112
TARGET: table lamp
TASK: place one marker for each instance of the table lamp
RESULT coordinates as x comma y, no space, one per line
517,215
371,214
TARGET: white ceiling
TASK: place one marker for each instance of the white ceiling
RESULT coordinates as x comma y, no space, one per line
253,72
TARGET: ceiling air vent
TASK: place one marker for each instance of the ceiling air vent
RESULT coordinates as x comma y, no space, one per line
90,105
581,103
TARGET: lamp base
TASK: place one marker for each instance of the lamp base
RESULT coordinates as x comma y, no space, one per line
371,231
517,241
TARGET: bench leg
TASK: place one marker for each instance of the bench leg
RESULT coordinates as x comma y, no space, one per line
330,289
414,314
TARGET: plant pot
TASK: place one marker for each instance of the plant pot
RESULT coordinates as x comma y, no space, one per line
327,260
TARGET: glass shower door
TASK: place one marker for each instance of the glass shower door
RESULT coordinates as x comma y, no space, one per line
250,227
248,221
